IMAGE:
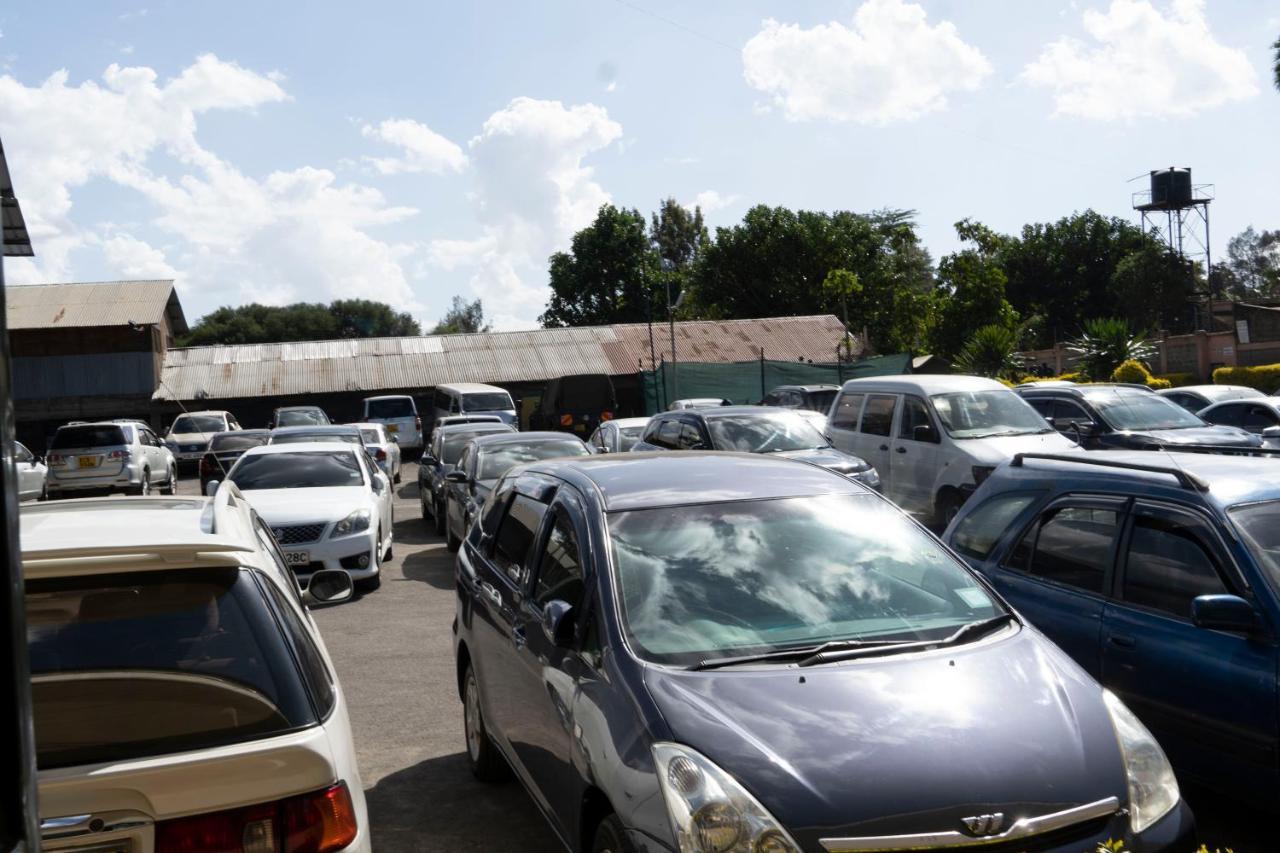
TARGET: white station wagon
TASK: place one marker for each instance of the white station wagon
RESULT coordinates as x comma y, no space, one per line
180,688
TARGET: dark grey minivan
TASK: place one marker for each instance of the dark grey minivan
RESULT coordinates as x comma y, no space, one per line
719,652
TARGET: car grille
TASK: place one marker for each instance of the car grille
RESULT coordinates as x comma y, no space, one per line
297,534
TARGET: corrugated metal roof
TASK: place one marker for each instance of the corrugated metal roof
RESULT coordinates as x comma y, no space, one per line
94,303
375,364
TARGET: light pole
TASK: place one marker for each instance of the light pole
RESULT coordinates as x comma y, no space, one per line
667,267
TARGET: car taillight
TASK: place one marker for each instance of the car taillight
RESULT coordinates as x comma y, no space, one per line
206,464
57,459
118,454
417,424
606,416
320,822
380,455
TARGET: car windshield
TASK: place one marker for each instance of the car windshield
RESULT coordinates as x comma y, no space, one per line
306,469
150,663
1123,408
198,423
396,407
497,401
982,414
370,435
721,580
496,461
87,436
1260,525
762,432
301,417
628,436
300,437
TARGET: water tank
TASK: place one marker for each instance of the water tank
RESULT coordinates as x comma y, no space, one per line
1171,187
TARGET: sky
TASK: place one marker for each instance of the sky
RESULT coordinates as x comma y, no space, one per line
411,151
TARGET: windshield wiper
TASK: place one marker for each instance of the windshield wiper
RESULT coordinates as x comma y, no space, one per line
801,652
965,633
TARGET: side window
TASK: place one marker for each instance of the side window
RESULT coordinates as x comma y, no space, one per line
309,658
1072,545
668,434
1186,401
770,399
977,533
1257,418
21,454
1067,411
464,460
515,536
560,568
1042,405
439,400
690,437
878,417
1170,562
847,411
1225,416
455,405
915,414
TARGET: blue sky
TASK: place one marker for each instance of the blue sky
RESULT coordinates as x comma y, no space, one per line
411,151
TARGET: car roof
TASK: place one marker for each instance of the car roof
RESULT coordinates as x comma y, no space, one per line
639,480
469,387
1213,390
627,422
819,387
721,411
242,432
363,426
303,446
522,438
207,412
101,423
924,383
298,409
478,426
320,429
1083,390
390,397
1270,402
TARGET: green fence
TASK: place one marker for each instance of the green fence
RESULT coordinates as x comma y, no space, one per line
748,381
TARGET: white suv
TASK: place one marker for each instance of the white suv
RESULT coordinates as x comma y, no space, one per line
109,456
180,688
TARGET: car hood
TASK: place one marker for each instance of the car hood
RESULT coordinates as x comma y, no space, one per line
307,505
998,448
903,745
1223,436
827,457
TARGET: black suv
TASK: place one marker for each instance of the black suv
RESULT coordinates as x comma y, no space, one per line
1105,416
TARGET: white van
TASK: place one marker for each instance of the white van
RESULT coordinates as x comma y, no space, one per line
398,413
468,398
933,439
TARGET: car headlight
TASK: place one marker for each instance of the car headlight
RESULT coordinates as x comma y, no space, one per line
354,523
1153,790
710,812
867,476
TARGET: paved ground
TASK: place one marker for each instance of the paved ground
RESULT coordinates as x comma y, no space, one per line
394,656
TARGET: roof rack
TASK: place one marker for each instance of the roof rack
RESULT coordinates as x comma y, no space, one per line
1218,450
1187,481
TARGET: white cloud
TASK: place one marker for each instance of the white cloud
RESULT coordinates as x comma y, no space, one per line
711,200
891,65
532,192
293,233
1143,63
424,149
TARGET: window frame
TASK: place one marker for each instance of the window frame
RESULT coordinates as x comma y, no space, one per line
294,628
1120,504
1013,531
852,426
887,435
563,506
906,400
502,566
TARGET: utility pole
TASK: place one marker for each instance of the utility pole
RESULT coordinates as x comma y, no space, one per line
671,322
648,313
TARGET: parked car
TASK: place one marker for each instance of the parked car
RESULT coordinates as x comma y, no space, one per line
224,449
290,416
616,436
817,420
1109,416
815,398
1160,575
765,656
189,434
484,459
578,404
752,429
327,504
340,433
32,473
181,692
385,451
398,413
697,403
439,459
454,420
468,398
1258,415
932,439
1193,398
106,457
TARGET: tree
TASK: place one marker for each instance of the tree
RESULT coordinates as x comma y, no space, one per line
607,274
971,288
1253,264
1153,287
1276,63
364,318
462,316
843,285
991,351
678,236
1107,342
302,321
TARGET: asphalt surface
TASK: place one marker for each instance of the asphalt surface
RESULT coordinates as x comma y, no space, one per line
394,654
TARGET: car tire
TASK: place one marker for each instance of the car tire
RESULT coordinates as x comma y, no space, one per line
44,493
143,488
396,478
486,762
947,506
610,837
391,544
170,486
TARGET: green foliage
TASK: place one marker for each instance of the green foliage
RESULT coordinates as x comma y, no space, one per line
606,275
1265,378
1131,371
1105,343
462,316
1178,380
303,321
1252,267
991,352
971,292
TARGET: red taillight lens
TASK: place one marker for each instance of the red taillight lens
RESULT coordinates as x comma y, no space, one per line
606,416
118,454
319,823
207,465
380,455
417,424
57,459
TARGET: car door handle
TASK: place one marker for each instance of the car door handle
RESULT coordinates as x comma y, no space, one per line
490,592
901,449
884,447
1124,641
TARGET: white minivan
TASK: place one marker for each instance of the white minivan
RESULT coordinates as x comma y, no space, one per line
469,398
933,439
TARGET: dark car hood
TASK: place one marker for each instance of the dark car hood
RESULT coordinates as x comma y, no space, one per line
903,745
827,457
1215,435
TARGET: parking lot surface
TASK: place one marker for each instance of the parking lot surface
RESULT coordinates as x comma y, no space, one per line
394,655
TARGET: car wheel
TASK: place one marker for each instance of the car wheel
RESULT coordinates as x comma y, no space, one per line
144,488
391,542
948,507
486,763
44,493
170,486
396,479
610,838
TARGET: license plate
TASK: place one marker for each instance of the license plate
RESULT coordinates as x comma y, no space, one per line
88,462
297,558
392,428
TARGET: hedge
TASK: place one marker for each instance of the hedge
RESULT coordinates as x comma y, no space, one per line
1266,377
1178,380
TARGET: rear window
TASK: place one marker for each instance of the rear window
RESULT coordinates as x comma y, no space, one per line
88,436
399,407
237,441
131,665
820,401
303,437
370,436
496,461
302,417
301,470
497,401
198,423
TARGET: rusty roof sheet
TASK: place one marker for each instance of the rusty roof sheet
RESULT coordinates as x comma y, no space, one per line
377,364
93,303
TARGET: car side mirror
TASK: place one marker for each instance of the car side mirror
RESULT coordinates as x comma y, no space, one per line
328,586
211,488
926,433
557,623
601,448
1223,613
456,476
1271,432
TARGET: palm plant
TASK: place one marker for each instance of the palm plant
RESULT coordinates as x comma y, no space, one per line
992,352
1107,342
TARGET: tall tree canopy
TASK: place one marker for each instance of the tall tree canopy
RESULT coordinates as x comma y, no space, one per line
1252,267
604,276
302,321
971,293
462,316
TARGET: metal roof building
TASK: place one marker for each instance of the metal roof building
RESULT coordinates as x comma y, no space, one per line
78,305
